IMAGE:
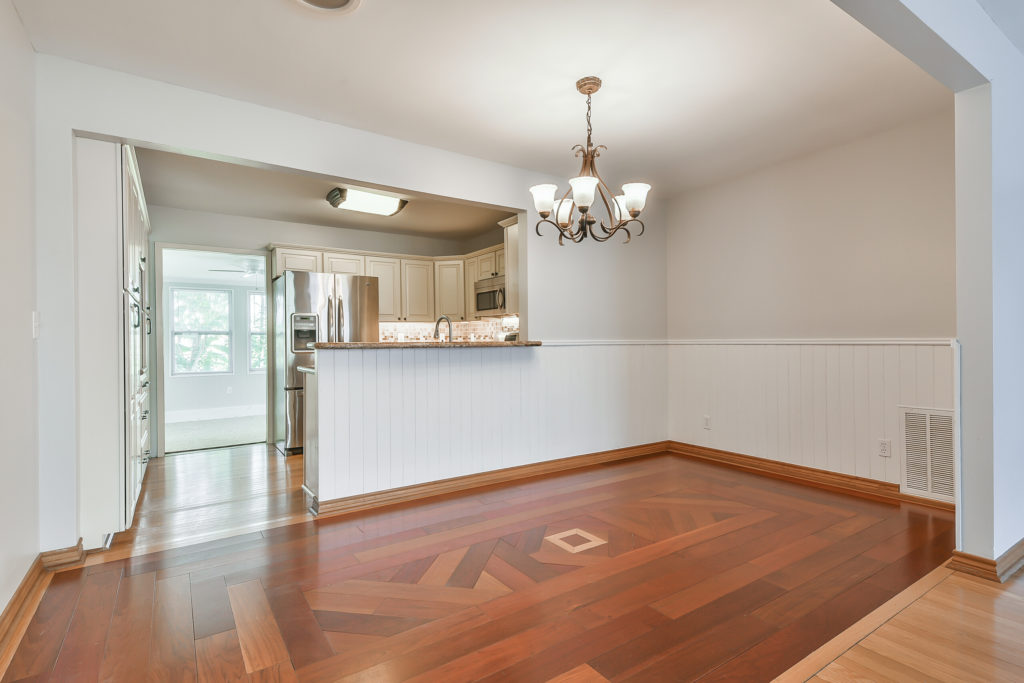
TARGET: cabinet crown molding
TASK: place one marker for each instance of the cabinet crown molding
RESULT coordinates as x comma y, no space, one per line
384,254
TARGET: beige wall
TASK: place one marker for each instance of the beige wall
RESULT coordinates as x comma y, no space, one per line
854,241
19,463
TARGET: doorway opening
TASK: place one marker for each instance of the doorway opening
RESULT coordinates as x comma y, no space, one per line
214,347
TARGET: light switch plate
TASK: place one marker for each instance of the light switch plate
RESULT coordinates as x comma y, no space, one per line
885,448
707,422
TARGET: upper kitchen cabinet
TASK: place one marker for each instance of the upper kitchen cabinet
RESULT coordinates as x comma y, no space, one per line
134,227
486,265
470,276
306,260
499,262
417,290
389,273
449,290
347,264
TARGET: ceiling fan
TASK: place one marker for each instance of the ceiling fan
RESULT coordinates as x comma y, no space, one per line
247,272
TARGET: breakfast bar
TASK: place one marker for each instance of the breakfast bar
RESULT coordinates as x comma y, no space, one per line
384,416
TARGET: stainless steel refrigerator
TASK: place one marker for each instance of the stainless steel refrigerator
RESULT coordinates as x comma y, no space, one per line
314,307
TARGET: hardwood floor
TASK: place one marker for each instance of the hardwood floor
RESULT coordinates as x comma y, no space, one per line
958,628
683,570
199,496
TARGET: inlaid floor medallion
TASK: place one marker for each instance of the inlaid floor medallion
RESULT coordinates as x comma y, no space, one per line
575,540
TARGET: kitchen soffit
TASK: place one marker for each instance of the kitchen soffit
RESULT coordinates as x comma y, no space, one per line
198,184
698,90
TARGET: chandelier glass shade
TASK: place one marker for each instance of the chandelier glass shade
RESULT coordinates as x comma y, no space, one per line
573,215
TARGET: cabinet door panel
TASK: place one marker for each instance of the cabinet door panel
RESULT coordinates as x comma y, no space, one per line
487,265
449,290
388,272
470,277
417,290
337,262
499,262
297,259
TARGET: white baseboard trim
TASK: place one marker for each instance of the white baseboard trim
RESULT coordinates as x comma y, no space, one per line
198,415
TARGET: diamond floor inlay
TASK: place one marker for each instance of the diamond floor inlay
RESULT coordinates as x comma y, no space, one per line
589,540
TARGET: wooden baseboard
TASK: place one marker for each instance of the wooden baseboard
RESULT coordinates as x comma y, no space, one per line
16,617
871,488
974,565
65,558
432,489
998,570
1011,561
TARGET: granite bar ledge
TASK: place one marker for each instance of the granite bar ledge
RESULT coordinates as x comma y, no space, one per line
421,345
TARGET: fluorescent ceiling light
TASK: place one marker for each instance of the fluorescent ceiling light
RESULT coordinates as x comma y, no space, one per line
367,202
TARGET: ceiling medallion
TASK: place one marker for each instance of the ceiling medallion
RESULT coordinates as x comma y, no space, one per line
333,5
620,210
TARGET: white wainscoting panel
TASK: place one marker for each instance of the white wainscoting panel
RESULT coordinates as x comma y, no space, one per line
821,404
396,417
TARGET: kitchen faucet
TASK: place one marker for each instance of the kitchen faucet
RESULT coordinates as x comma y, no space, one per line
437,328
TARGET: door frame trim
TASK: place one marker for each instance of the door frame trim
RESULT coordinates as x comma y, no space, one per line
157,256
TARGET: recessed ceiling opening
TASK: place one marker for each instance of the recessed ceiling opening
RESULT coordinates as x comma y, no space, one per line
233,188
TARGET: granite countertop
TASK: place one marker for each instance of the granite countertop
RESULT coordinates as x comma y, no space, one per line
421,345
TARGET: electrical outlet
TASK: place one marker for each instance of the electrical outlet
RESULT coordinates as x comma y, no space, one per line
884,448
229,390
707,422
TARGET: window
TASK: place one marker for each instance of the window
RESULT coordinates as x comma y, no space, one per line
201,328
257,331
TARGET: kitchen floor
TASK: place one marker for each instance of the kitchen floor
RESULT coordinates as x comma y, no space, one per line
206,434
198,496
657,568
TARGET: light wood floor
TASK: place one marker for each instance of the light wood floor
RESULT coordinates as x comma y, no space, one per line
657,568
951,627
199,496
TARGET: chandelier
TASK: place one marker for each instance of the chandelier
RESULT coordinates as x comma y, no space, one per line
573,217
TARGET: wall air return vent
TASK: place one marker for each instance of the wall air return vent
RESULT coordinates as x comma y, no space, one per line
929,454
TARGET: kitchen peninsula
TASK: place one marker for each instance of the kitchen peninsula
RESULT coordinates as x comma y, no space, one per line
382,416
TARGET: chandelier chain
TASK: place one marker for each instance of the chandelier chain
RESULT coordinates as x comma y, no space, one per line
589,127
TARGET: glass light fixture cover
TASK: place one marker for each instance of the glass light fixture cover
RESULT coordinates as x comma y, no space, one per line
583,190
543,197
621,212
636,196
562,211
370,202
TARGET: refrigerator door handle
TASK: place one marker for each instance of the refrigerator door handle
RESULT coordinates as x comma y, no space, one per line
330,321
339,319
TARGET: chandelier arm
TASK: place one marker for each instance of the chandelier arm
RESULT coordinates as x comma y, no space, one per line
611,233
562,232
603,191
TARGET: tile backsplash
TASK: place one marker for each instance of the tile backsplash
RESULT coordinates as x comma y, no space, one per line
475,330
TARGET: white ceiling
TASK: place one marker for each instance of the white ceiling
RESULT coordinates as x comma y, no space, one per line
187,265
695,90
197,184
1009,16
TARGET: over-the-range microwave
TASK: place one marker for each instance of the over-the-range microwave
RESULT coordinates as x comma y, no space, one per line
490,296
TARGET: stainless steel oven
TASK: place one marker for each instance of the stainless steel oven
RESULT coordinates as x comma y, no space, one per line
490,297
